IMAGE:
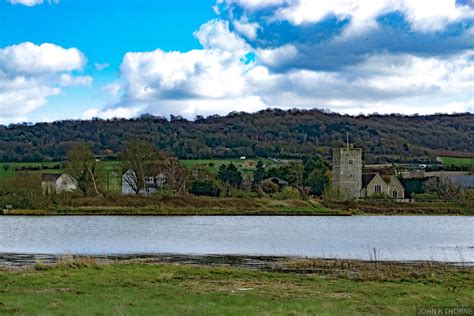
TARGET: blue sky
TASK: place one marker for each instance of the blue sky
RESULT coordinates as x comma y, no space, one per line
67,59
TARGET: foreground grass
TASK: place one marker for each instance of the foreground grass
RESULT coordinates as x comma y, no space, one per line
149,289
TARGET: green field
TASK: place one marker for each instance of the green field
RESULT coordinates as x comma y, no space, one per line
456,161
85,288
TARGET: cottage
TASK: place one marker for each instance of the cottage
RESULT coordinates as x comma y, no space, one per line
58,183
152,183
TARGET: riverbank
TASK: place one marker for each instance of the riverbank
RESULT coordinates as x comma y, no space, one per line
206,206
302,287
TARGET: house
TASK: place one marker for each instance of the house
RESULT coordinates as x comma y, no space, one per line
374,184
58,183
152,183
462,182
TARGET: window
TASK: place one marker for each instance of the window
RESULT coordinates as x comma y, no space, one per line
378,188
351,161
395,194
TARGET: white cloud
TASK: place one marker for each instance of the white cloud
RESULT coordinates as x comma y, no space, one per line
28,3
31,3
277,56
30,73
121,112
68,80
424,15
246,28
100,66
215,34
30,59
212,81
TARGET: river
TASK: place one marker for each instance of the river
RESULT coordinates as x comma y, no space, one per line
398,238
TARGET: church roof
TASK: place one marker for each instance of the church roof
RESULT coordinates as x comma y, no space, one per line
366,178
464,182
50,177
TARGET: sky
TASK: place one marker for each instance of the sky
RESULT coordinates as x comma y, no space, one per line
80,59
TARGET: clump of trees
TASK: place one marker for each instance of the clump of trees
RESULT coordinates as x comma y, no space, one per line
141,160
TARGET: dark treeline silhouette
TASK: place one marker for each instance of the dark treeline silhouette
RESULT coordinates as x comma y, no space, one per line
268,133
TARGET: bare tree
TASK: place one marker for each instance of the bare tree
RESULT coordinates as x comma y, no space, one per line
443,187
82,166
175,173
136,163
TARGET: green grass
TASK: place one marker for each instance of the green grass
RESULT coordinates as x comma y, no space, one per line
456,161
148,289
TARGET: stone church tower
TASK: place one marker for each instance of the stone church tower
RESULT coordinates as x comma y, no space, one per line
347,170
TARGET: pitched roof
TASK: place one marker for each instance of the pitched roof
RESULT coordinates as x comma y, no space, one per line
464,182
276,181
366,178
50,177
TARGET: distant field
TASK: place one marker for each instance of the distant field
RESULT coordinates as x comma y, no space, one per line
212,165
464,162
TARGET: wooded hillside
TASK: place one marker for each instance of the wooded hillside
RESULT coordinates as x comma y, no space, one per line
269,133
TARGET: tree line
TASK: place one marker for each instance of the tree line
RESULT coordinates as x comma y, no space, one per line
269,133
140,161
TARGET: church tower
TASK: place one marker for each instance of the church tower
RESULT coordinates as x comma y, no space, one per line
347,170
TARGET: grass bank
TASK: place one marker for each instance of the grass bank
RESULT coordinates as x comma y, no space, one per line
135,288
395,208
116,204
188,205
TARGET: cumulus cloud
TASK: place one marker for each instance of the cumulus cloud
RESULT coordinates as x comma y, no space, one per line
346,55
327,35
214,81
215,34
30,73
423,15
30,59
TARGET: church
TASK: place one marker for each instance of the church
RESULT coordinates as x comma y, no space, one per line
348,176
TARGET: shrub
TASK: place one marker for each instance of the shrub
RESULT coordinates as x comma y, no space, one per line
288,193
204,187
270,187
332,194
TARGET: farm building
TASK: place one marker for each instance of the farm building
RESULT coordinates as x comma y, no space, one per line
152,183
58,183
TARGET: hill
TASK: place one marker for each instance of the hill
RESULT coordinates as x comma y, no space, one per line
269,133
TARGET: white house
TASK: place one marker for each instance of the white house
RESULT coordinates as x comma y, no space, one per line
152,183
58,183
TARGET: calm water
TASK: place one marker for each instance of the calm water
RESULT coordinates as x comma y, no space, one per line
449,238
